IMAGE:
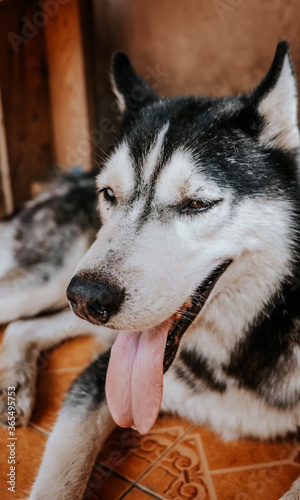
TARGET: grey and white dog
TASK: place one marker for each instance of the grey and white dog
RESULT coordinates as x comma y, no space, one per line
195,267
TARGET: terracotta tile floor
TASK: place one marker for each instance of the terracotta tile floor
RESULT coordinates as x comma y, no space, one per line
176,460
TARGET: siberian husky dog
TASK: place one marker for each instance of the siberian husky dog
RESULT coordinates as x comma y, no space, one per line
195,270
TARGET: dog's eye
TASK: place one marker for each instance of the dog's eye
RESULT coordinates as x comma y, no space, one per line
197,204
108,194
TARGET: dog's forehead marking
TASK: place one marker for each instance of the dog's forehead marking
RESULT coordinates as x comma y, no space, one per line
182,178
151,161
118,172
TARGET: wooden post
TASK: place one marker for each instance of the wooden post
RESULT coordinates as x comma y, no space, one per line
73,137
4,165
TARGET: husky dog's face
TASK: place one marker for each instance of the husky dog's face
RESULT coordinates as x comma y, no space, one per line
180,182
180,200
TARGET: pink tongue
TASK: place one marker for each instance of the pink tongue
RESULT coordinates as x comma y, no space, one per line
134,381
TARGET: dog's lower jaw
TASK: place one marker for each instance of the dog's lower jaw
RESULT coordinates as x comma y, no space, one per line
189,311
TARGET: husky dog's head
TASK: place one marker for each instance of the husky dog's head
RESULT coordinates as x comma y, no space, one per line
191,186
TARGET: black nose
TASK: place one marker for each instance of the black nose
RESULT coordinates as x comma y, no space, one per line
95,301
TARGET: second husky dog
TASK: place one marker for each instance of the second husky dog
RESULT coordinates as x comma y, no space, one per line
196,266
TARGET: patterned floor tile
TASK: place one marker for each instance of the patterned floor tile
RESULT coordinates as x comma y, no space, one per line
130,454
102,485
180,475
256,484
137,494
167,462
296,457
29,449
222,455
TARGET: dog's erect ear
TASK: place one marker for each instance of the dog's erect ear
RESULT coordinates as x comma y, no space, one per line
276,101
131,91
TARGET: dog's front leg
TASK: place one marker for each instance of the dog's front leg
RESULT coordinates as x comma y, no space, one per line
82,426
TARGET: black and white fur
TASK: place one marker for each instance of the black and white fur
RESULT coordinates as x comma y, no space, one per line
238,367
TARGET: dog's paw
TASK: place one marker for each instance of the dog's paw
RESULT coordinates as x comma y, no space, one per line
18,373
17,393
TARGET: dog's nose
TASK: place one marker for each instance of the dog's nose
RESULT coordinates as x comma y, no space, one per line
95,301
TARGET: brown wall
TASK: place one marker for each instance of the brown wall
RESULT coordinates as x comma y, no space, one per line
56,88
204,46
194,46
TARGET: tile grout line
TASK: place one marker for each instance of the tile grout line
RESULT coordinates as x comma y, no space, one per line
210,484
135,483
38,429
252,467
206,471
144,488
291,462
124,494
149,493
295,453
163,454
130,484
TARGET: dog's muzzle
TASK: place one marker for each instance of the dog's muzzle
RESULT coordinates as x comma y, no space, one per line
94,301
